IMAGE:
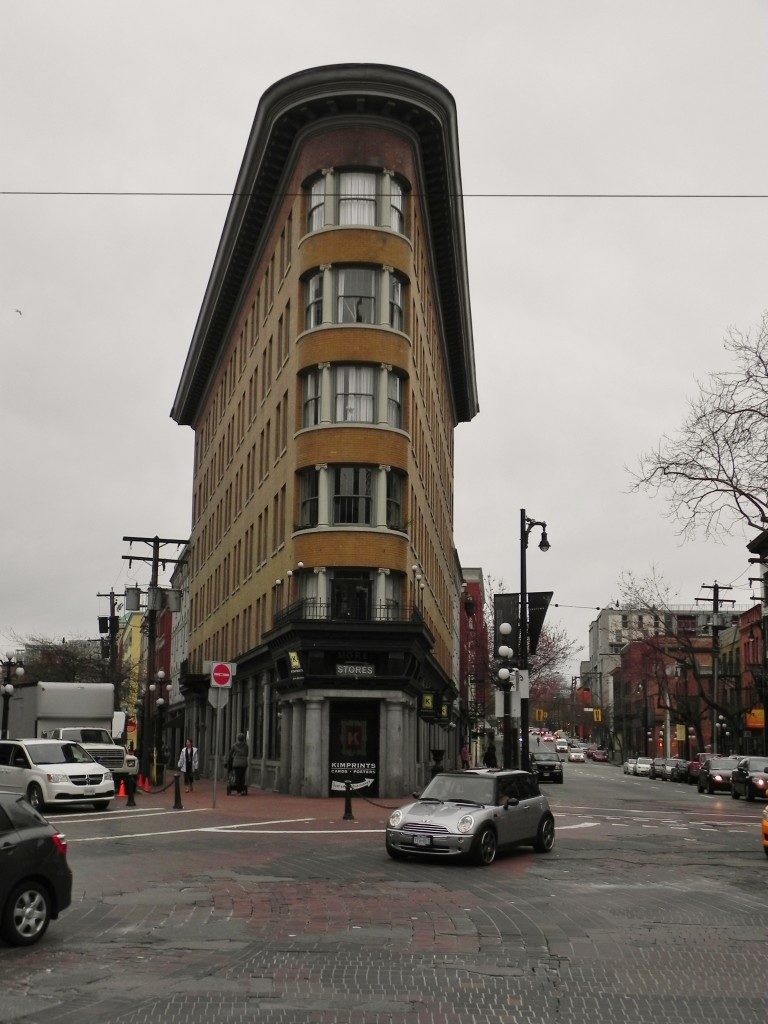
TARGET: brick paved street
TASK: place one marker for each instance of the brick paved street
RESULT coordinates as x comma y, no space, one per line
653,907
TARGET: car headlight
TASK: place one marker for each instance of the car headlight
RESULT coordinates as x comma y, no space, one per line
56,777
466,824
759,782
395,819
108,777
718,778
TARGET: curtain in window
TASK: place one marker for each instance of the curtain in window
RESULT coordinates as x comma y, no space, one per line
395,303
311,415
352,495
308,492
357,198
354,390
397,207
394,400
356,295
316,213
393,588
314,310
394,500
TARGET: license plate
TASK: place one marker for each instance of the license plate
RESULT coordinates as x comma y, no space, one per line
89,791
422,840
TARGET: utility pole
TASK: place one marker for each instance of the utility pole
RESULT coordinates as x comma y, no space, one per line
154,561
111,631
716,627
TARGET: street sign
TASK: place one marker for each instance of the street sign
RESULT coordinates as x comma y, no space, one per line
221,674
218,697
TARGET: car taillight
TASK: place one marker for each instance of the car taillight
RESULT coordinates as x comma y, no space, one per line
60,842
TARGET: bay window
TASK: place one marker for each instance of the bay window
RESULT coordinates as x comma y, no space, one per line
395,491
394,400
308,498
311,399
355,291
357,198
352,496
314,298
354,389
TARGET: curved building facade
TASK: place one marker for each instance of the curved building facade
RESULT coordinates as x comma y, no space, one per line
330,365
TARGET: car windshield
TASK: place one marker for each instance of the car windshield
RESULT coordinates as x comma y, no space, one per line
86,735
643,760
719,763
58,753
475,788
545,758
757,766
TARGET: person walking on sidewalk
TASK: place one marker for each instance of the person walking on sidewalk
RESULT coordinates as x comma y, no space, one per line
238,762
188,763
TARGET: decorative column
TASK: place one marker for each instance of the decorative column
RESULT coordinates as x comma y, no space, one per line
323,499
381,496
313,769
331,212
328,311
382,398
385,199
386,273
297,747
322,592
326,392
380,594
393,783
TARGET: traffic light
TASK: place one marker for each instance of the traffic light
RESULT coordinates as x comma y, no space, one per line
598,714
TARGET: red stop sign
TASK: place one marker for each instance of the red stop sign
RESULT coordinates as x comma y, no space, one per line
221,674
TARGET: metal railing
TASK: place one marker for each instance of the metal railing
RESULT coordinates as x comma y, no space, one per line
308,609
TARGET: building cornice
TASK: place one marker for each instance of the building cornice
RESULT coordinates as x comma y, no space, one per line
395,95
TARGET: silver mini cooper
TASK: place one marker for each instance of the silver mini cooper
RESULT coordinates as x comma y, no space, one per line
472,814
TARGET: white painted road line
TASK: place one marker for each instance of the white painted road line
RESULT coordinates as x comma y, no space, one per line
179,831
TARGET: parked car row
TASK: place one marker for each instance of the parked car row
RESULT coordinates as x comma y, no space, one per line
741,776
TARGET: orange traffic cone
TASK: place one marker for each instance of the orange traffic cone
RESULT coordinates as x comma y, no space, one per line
121,790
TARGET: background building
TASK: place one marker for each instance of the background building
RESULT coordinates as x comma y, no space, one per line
331,362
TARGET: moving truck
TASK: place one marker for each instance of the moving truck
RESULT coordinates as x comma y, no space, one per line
78,712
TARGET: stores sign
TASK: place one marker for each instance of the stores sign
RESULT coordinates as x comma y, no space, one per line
356,671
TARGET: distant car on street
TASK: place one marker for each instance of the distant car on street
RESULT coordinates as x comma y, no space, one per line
694,766
35,879
750,778
561,746
577,756
629,766
676,769
658,769
715,774
547,765
643,766
472,814
600,755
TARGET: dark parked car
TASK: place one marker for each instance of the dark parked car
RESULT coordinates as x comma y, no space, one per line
658,768
677,769
750,778
547,766
715,774
35,879
694,766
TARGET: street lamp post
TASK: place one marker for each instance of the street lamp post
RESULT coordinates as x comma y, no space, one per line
526,525
509,758
11,667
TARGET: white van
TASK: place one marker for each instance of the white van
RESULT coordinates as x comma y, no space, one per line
561,746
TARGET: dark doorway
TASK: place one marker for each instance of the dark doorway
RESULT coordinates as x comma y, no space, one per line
354,747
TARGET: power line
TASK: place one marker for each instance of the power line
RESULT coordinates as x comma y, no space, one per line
450,195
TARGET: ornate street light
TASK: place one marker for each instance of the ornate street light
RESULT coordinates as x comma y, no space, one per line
526,525
12,666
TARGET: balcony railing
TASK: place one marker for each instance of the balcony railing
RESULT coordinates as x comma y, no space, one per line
308,609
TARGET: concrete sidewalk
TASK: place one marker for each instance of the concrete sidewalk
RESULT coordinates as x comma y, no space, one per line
266,804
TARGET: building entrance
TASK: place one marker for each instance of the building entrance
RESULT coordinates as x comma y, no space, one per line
354,747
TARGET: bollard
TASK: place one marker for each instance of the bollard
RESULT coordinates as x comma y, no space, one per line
177,805
348,815
130,788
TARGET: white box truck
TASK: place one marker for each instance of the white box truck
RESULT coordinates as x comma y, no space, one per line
79,712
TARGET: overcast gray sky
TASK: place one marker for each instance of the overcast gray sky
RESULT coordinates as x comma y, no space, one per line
592,317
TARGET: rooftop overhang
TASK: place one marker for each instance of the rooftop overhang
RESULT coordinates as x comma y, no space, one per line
396,95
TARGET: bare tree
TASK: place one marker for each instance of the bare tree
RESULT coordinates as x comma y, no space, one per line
714,470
